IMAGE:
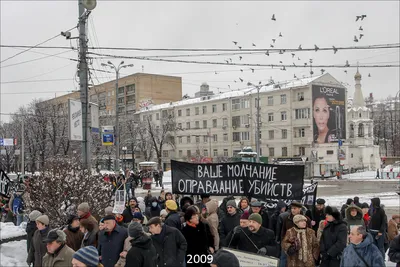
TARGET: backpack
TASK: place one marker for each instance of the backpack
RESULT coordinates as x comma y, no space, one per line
17,205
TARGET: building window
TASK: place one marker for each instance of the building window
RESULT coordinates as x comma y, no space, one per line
197,139
179,113
271,134
271,152
270,100
245,136
158,116
236,121
204,109
225,137
236,137
130,88
270,116
244,103
188,153
329,152
188,139
165,153
300,96
351,155
214,123
197,152
121,90
214,108
235,104
215,152
283,116
223,106
188,126
225,122
204,124
205,152
226,153
196,111
164,114
284,133
302,113
215,137
302,151
180,153
361,130
205,138
188,112
283,99
180,139
197,124
284,151
301,132
244,119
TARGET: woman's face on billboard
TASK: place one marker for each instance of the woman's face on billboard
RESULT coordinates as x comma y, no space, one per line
321,114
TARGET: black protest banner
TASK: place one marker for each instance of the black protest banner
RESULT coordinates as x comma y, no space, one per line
238,178
5,184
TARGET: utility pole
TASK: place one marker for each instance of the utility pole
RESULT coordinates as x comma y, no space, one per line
258,87
339,131
22,147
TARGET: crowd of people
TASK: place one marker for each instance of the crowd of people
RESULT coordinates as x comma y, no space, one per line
179,232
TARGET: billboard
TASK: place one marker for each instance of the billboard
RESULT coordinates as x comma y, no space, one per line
329,114
75,120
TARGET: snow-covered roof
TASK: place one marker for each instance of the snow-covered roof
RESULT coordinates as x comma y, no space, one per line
232,94
358,109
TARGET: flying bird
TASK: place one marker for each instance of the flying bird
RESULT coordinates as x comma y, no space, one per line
240,57
334,49
311,60
259,83
241,79
361,28
369,74
347,64
216,72
363,17
271,46
235,81
305,64
273,17
316,48
322,71
280,34
300,47
355,39
280,62
253,44
293,55
227,61
273,40
311,72
240,47
230,59
234,42
281,52
345,71
252,70
294,76
358,17
283,68
267,53
294,64
298,58
241,70
361,36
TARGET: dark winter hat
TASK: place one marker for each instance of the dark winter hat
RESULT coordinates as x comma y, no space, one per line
135,229
189,213
225,258
108,217
349,200
43,219
255,217
320,201
71,218
34,215
231,203
296,204
138,215
256,204
55,235
245,215
364,205
171,205
84,207
356,199
203,196
133,198
88,256
154,220
333,212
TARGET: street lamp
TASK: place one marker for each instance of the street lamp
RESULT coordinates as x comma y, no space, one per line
116,131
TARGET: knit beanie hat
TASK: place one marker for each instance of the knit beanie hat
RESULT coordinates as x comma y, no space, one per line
225,258
71,218
245,215
43,219
298,218
364,205
255,217
171,205
135,229
231,203
34,215
88,256
108,211
137,215
84,207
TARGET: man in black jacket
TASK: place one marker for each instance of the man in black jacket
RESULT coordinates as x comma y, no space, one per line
130,210
230,221
273,223
169,242
317,214
142,253
377,224
173,218
255,238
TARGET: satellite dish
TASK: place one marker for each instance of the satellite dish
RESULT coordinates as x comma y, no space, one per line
89,4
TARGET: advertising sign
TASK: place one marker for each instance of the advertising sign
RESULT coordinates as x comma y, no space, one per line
94,117
247,259
75,120
238,178
5,183
119,202
108,139
7,142
329,114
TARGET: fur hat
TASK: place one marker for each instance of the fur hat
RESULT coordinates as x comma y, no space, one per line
255,217
43,219
84,207
320,201
88,256
296,204
256,204
108,211
333,212
395,216
135,229
231,203
34,215
298,218
56,235
171,205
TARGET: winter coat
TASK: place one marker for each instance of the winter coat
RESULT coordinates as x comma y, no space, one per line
212,220
226,225
377,221
30,230
142,253
153,212
353,221
263,238
367,250
89,239
333,241
275,216
90,217
392,229
316,216
38,248
198,243
288,223
171,247
185,199
279,225
173,219
312,252
61,259
128,214
394,250
127,246
111,245
74,238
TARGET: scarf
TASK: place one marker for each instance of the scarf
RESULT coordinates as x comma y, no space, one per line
191,224
302,237
87,215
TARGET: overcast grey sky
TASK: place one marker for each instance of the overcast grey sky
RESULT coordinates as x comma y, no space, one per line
205,24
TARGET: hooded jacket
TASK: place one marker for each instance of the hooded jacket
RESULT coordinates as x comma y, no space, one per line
274,217
153,211
377,220
367,250
213,221
142,253
353,220
333,241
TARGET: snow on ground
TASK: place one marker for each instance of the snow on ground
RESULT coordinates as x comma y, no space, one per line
13,254
389,199
368,175
9,230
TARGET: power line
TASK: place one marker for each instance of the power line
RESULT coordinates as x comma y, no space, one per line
51,80
38,92
40,58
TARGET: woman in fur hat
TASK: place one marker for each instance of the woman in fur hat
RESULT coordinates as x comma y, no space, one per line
300,244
